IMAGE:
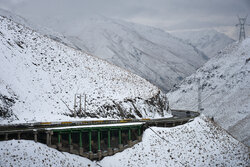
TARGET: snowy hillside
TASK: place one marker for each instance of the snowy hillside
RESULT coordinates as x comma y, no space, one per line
225,94
199,143
149,52
27,153
208,41
39,78
42,30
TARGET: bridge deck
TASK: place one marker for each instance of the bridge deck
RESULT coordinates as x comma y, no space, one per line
178,117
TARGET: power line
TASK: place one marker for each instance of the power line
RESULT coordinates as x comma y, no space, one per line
199,95
97,163
157,134
162,139
208,95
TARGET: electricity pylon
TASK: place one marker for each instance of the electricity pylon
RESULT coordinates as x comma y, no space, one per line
242,22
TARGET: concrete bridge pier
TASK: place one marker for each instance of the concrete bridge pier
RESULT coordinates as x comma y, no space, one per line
70,143
35,136
90,154
120,145
18,136
6,136
48,137
110,151
99,152
81,151
130,143
59,138
80,144
139,137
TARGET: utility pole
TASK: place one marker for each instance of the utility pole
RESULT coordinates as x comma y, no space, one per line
84,103
242,22
199,95
75,105
78,104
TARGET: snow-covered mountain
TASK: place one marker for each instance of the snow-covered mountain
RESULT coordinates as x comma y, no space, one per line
149,52
39,78
208,41
225,90
198,143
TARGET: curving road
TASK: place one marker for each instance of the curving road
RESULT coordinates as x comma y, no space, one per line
179,117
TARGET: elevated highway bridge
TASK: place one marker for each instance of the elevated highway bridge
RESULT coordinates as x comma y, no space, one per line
93,139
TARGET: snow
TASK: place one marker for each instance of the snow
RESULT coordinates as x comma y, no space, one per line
208,40
198,143
26,153
39,75
42,76
225,93
42,30
149,52
146,51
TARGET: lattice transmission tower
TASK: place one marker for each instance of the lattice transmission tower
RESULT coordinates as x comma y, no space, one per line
241,24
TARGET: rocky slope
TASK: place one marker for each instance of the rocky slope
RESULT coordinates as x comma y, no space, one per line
39,78
225,90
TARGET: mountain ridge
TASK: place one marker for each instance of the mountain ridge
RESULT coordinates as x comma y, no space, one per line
209,41
149,52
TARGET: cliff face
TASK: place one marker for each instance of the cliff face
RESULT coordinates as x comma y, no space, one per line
156,106
40,78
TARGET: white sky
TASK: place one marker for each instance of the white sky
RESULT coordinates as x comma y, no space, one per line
170,15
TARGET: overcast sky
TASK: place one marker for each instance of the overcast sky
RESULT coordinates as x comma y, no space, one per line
171,15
